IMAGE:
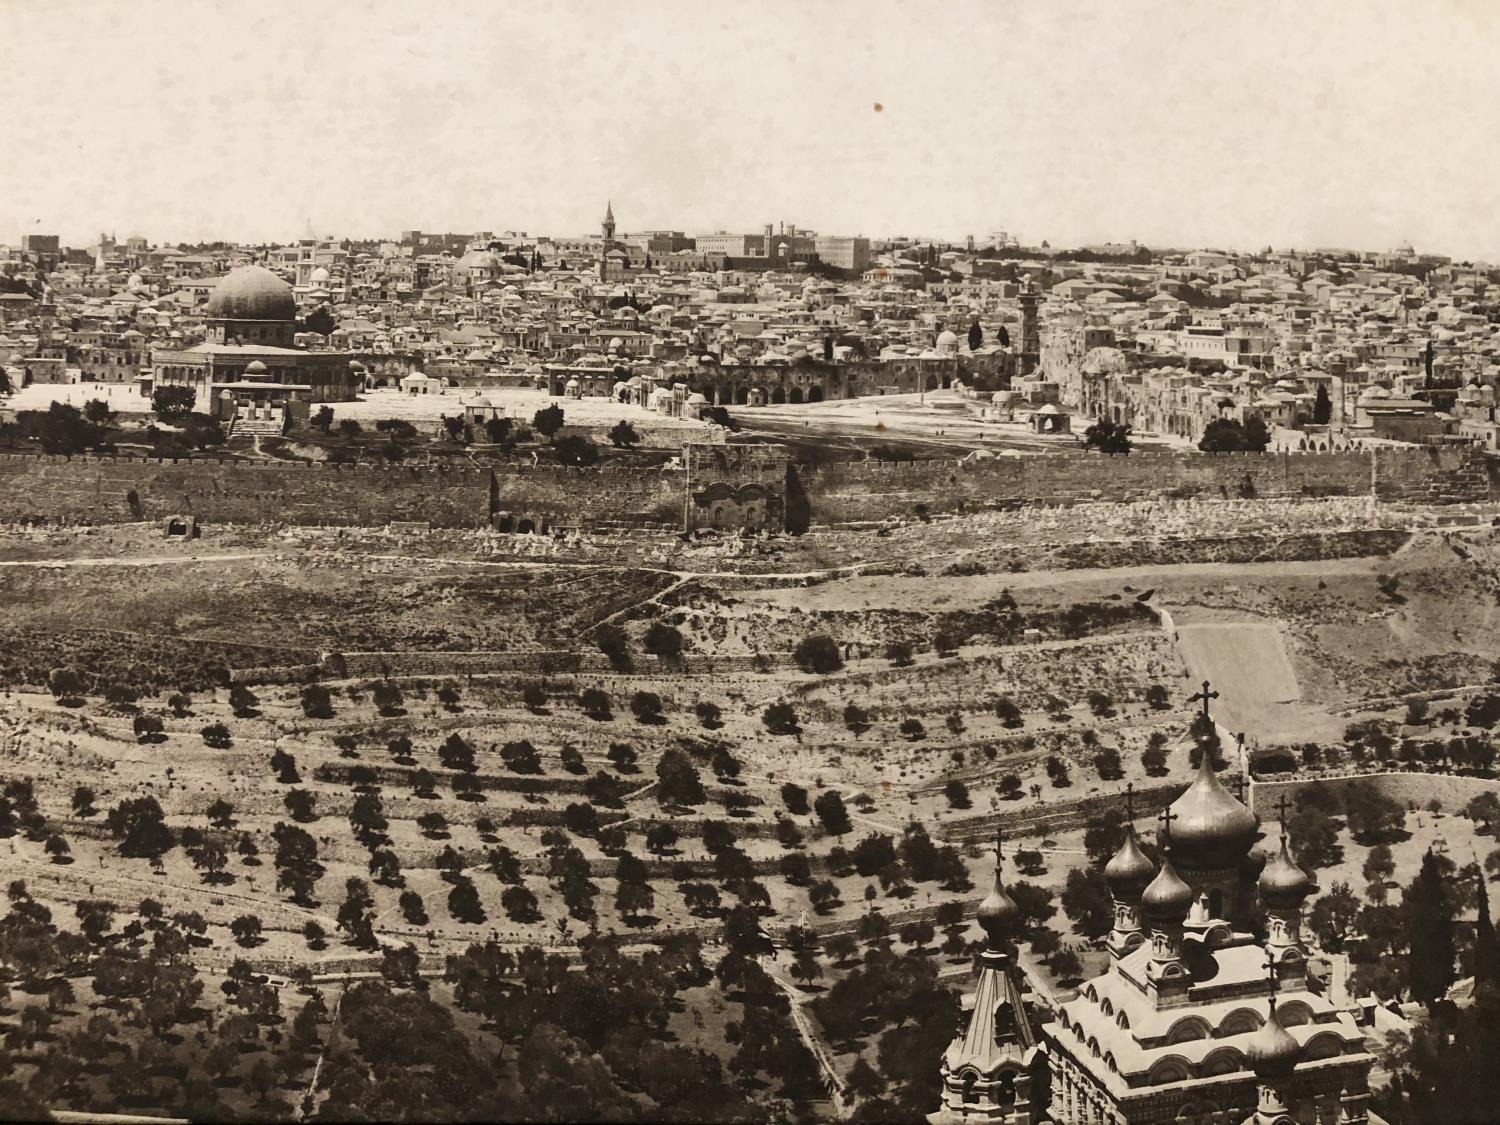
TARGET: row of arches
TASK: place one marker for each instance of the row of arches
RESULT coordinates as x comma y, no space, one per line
758,394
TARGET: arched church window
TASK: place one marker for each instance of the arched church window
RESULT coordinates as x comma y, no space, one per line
970,1092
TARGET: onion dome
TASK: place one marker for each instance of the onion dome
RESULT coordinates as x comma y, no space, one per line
1271,1050
1282,883
251,293
1210,829
1130,870
997,914
1168,898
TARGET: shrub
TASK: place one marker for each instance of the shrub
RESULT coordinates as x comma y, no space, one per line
818,654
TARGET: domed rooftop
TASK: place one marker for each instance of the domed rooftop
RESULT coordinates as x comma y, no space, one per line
1210,829
251,293
319,276
479,260
1271,1051
998,912
1283,883
1130,870
1168,898
255,369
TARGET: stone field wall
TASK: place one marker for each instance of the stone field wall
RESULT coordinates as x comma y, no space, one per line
115,490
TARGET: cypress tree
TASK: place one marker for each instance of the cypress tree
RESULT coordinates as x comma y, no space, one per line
1430,960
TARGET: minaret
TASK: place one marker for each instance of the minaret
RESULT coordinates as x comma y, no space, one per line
1031,331
987,1069
609,221
1283,888
1272,1054
1165,904
1128,874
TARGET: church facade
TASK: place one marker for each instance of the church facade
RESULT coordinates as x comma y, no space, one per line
1205,1014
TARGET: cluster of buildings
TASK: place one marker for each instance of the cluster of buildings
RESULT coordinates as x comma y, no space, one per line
1328,348
657,319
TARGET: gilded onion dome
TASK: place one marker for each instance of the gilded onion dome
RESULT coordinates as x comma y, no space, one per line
1271,1051
1130,870
1168,898
997,913
1210,829
1283,883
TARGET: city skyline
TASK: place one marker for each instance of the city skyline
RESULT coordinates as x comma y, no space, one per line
1077,124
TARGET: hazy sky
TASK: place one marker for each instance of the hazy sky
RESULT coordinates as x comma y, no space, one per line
1312,122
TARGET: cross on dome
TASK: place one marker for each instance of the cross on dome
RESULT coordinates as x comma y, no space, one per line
1204,696
1167,816
1281,803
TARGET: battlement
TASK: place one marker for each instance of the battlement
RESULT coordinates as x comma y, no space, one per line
110,489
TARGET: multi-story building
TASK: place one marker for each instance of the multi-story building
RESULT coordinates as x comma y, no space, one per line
844,252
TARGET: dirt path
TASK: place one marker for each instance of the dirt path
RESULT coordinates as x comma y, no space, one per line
831,1078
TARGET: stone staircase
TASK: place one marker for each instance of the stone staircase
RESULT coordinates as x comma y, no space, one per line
255,427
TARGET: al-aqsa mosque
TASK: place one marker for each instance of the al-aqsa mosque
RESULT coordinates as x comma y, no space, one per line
1205,1014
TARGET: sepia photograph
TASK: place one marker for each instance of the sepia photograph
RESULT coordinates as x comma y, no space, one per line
855,561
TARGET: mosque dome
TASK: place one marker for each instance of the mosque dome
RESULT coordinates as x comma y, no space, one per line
251,293
479,260
255,368
319,276
946,339
1130,870
1283,883
1210,829
1168,898
1271,1050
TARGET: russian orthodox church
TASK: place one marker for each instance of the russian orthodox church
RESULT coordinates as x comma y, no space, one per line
1205,1014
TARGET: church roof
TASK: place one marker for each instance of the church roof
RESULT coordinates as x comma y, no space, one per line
999,1029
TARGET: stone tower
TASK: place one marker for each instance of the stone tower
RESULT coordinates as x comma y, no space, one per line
992,1070
1031,327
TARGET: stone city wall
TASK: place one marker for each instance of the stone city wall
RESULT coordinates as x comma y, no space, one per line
870,491
1414,790
117,489
120,489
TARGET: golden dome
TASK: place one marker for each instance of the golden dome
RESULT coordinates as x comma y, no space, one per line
997,913
1282,882
1272,1051
251,293
1210,829
1168,898
1130,870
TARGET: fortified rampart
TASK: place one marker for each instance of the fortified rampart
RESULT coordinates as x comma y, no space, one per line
727,486
868,491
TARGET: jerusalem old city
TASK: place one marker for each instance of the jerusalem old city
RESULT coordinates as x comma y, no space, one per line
861,561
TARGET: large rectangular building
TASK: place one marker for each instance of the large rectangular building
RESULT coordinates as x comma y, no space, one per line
844,253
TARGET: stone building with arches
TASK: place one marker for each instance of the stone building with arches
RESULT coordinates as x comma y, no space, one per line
1205,1014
